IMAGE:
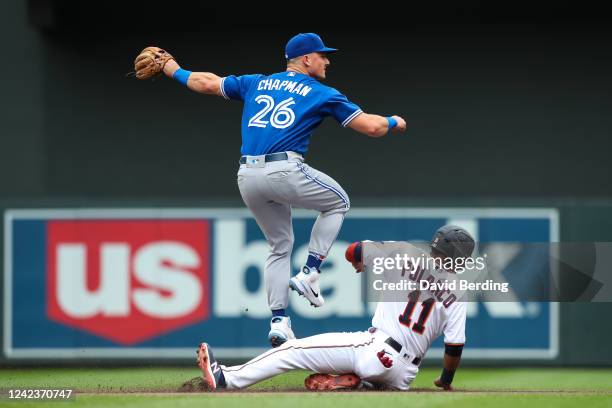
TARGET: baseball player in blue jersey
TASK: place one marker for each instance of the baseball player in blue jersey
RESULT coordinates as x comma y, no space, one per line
281,111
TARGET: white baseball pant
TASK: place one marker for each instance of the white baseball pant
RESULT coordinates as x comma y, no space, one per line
329,353
270,190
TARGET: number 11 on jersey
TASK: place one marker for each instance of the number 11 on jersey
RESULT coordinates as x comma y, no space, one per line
427,306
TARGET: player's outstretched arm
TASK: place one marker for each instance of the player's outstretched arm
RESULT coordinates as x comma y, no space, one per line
376,125
452,357
202,82
153,60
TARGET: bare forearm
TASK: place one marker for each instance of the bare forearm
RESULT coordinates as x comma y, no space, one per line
202,82
376,125
379,126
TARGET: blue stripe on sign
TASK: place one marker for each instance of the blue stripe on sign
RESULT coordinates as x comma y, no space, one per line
309,177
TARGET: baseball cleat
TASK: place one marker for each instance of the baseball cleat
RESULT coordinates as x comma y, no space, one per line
211,371
328,382
306,283
280,330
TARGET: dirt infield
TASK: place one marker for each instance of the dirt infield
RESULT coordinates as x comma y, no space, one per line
196,386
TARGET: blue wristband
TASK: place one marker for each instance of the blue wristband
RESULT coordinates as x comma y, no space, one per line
181,75
392,122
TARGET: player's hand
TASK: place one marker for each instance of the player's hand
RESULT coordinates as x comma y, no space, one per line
401,124
446,387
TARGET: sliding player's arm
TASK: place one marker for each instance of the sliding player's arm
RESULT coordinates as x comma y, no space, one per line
454,339
452,358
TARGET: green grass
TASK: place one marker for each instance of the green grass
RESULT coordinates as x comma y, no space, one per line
332,400
560,388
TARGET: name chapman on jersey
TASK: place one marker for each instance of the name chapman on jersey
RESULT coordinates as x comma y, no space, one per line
287,86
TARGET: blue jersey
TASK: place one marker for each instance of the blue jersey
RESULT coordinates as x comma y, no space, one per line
282,110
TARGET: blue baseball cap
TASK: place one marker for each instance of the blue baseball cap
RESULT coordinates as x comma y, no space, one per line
303,44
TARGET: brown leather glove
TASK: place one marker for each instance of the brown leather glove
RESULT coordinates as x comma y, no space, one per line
150,62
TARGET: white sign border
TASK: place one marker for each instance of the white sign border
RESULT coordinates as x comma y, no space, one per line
224,213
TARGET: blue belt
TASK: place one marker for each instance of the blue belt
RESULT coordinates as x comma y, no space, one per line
272,157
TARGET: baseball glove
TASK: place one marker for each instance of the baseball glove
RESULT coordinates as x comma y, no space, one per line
150,62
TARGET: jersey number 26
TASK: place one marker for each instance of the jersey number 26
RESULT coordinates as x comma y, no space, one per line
282,116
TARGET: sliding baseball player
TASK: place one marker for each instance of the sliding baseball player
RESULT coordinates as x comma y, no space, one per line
386,355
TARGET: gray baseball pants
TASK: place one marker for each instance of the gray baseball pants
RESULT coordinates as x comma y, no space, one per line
270,190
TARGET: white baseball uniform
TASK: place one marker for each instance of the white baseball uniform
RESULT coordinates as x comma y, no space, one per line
413,325
271,190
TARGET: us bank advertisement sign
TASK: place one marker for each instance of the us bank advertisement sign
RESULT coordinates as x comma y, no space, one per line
154,283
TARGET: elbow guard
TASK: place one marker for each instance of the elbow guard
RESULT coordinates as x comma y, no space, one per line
453,350
353,253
